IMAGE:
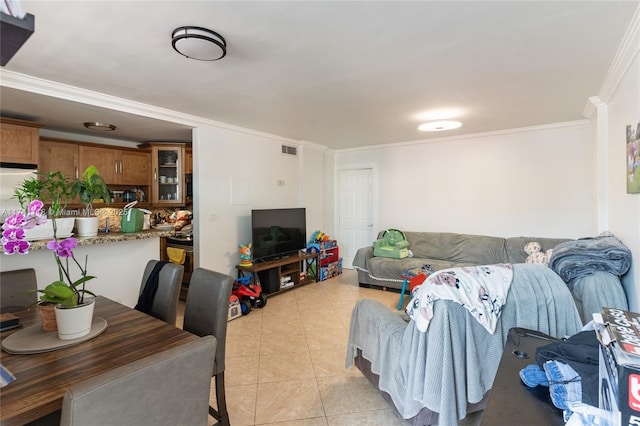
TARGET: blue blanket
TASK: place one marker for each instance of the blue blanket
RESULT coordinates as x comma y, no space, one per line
455,362
586,256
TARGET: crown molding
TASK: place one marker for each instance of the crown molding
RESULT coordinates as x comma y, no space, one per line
593,103
313,145
54,89
627,52
552,126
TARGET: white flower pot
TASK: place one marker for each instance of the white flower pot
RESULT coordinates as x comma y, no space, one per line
87,226
74,322
42,232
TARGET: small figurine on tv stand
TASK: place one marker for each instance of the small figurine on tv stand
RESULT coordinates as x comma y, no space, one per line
245,255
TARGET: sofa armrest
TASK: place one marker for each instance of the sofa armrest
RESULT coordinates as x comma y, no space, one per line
362,257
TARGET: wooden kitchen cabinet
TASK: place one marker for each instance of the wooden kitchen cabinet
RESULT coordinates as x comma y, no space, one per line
188,161
19,141
135,167
55,155
167,173
117,166
121,168
104,159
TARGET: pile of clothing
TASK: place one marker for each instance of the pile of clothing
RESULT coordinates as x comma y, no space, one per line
569,368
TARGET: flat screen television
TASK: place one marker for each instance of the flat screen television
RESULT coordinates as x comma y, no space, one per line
277,233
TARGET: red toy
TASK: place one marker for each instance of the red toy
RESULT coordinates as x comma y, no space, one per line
250,294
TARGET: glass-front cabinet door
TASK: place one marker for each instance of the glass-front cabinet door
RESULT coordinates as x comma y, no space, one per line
167,173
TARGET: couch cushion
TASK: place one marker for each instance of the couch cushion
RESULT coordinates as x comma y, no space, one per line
458,248
386,268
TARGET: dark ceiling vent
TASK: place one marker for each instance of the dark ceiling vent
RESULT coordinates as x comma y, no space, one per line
289,150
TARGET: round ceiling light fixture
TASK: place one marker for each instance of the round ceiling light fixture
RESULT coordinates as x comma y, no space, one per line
199,43
439,126
440,114
101,127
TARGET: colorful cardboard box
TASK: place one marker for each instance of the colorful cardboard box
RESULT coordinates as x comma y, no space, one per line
619,335
331,270
323,245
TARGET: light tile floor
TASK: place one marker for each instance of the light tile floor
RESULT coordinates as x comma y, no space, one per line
285,363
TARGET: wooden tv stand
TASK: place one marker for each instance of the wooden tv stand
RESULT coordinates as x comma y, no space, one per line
270,274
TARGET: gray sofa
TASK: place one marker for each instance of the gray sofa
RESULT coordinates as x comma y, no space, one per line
442,375
443,250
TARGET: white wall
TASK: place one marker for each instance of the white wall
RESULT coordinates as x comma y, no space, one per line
533,182
313,183
329,193
247,166
622,98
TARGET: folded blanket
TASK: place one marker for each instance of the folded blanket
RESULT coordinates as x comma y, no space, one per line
585,256
482,290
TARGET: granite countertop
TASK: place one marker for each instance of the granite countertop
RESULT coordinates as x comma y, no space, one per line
111,237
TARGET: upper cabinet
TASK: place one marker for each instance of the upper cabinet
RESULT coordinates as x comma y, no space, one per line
56,155
135,167
19,141
188,160
117,166
121,168
167,173
158,173
103,158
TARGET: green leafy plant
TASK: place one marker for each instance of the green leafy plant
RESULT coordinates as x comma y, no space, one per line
58,190
31,189
53,187
90,188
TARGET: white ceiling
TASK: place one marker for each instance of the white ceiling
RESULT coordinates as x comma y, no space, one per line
340,74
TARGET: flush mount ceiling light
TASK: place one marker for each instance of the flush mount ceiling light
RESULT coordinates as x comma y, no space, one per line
199,43
101,127
440,114
438,126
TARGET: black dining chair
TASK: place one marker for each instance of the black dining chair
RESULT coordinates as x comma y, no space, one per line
171,387
18,290
165,301
205,313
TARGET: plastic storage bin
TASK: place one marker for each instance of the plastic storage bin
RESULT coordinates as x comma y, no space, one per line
331,270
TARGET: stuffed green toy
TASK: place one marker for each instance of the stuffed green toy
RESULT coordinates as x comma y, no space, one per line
393,244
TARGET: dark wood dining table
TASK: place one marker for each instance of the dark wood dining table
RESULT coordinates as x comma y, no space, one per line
42,379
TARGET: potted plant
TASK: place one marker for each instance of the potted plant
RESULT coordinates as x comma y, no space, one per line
55,188
30,189
66,294
90,188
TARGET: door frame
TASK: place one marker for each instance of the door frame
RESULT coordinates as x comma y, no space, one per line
374,196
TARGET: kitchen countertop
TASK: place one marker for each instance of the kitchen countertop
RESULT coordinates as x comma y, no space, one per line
111,237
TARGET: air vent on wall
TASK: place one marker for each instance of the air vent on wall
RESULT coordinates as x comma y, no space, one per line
289,150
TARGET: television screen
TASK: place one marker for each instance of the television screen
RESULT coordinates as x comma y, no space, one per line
277,232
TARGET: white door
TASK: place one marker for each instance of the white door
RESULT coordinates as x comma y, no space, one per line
355,212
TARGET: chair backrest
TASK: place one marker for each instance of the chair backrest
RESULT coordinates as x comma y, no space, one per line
17,290
168,388
207,308
165,302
